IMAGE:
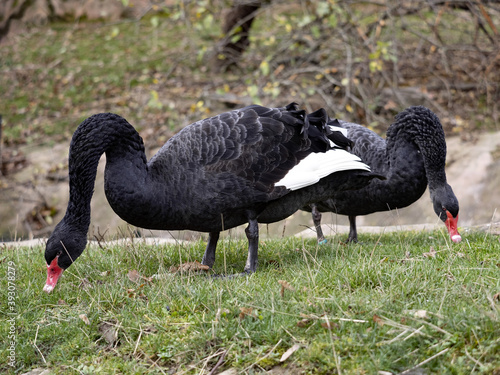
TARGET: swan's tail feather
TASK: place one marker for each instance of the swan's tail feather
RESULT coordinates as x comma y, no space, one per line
323,136
323,132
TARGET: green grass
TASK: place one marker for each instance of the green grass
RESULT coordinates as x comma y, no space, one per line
54,77
382,305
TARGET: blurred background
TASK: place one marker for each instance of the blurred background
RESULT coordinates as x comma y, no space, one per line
165,64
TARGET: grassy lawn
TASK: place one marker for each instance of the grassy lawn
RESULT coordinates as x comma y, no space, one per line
390,304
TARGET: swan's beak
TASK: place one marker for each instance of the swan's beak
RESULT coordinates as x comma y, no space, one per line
53,274
452,226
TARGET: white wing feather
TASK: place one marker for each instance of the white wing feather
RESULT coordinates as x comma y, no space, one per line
318,165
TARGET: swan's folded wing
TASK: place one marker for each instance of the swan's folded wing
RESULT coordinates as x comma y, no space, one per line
318,165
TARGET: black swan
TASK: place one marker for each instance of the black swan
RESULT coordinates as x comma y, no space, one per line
412,157
213,175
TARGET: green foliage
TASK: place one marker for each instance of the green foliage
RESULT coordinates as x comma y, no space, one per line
382,53
154,101
59,75
389,304
338,55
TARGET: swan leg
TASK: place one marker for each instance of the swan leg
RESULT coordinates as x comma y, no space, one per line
209,256
252,232
353,233
316,216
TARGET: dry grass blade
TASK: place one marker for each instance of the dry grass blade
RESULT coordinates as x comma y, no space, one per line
264,357
289,352
431,254
426,361
219,362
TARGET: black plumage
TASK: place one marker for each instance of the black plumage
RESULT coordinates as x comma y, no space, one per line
412,157
213,175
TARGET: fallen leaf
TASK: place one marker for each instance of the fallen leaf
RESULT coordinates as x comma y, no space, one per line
109,332
231,371
390,105
496,297
39,371
189,266
304,322
377,319
431,254
422,314
84,318
245,311
329,325
150,329
133,276
279,69
289,352
285,285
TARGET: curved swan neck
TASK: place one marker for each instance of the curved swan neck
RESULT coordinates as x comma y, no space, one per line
422,127
104,132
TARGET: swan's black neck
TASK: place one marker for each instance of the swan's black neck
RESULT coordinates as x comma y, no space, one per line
422,127
101,133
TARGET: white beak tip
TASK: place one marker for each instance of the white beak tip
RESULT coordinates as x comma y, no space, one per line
48,288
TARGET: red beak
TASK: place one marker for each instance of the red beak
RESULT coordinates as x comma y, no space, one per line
53,274
452,225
